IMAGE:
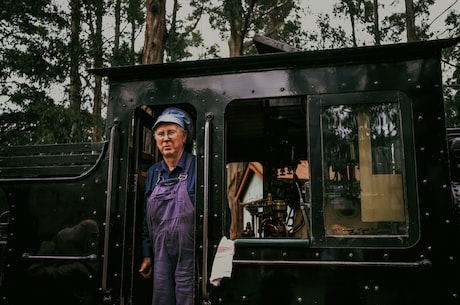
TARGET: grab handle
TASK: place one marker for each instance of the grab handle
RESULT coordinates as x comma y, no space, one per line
207,156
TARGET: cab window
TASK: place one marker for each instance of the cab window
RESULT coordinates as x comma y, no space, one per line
335,170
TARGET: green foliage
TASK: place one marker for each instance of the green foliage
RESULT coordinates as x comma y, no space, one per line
39,120
35,50
331,37
183,34
33,58
241,20
133,14
124,55
451,59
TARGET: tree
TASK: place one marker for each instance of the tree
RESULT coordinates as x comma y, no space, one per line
240,19
32,59
410,21
353,9
376,26
135,17
451,60
94,13
413,21
40,50
75,53
124,43
182,33
155,32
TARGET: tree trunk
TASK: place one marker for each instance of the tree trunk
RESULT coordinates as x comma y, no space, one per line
155,32
133,23
75,82
410,21
98,62
352,11
375,13
235,41
239,23
116,39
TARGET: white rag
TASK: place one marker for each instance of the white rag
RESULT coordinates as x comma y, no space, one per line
222,265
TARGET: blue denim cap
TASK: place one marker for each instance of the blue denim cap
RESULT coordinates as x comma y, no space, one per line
179,117
169,118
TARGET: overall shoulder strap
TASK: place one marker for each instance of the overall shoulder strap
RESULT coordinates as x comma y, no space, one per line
183,176
188,162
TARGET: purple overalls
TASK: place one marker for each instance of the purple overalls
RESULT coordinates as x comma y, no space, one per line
170,219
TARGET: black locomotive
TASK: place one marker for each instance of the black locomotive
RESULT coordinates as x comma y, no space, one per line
332,173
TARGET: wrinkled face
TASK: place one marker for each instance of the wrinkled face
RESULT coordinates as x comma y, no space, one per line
170,139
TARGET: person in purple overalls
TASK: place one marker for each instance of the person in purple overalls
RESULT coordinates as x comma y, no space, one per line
168,235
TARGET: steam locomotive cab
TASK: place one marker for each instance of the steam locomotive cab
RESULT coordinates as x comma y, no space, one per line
328,172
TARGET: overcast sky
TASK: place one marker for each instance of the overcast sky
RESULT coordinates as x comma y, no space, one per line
439,11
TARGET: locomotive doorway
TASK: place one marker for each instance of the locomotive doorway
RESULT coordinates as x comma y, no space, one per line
143,154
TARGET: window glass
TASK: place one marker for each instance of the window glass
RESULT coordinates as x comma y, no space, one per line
363,172
359,155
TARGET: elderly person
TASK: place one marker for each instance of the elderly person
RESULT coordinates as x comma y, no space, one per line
168,237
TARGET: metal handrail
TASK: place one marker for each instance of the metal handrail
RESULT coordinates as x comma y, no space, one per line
90,257
108,207
207,139
425,263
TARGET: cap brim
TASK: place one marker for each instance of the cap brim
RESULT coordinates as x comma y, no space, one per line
168,118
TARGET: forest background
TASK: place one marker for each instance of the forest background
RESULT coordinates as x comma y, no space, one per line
47,46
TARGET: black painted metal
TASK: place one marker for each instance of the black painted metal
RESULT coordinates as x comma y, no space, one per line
422,268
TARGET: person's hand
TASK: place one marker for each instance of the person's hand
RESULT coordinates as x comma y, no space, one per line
146,268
